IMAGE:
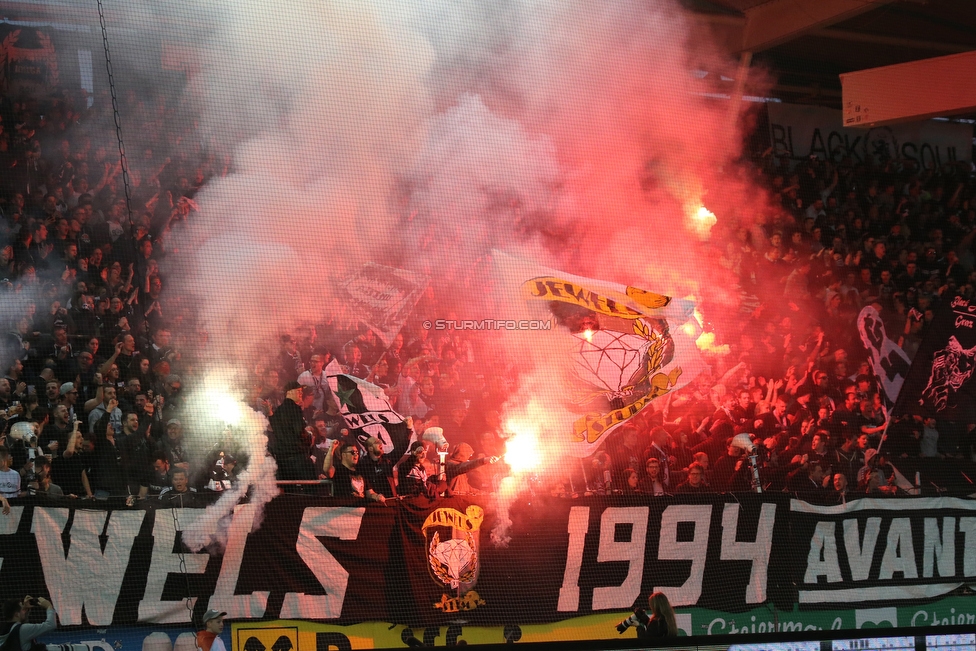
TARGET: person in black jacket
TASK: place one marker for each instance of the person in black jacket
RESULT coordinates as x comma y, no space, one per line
110,473
695,483
15,624
180,494
413,477
412,473
347,478
377,469
808,480
660,623
288,438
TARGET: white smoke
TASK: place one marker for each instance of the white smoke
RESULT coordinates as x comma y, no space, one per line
215,412
424,134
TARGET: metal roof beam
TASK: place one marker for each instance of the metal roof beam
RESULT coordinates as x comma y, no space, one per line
778,21
730,29
916,90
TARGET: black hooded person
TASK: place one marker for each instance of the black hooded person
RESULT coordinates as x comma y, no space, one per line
288,441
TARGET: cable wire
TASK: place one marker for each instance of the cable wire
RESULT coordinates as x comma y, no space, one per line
187,600
118,119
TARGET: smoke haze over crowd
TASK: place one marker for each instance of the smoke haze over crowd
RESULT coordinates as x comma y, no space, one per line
370,257
423,135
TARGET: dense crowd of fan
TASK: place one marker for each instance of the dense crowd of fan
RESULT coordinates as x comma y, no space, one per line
95,349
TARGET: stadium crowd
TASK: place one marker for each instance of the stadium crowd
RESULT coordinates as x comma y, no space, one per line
95,349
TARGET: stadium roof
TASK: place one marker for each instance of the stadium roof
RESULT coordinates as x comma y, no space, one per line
807,44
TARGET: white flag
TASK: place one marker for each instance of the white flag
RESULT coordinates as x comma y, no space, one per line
626,346
384,297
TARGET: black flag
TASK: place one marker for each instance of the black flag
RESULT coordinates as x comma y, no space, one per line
940,382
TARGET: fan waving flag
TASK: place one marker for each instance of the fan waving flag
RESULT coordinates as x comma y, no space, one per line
367,411
940,382
889,361
626,346
384,297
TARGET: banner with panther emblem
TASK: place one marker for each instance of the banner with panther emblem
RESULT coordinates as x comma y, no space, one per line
453,555
940,382
442,555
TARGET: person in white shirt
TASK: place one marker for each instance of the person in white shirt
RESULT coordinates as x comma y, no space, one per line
9,479
209,638
315,380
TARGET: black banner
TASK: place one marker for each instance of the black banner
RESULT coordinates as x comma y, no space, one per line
432,562
940,382
585,556
27,58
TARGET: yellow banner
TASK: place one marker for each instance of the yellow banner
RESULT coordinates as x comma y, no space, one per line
311,636
469,521
549,288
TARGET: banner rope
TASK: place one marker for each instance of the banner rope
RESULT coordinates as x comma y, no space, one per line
181,554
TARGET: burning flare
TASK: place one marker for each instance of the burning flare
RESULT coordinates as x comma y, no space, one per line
522,448
228,409
706,344
701,220
695,328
